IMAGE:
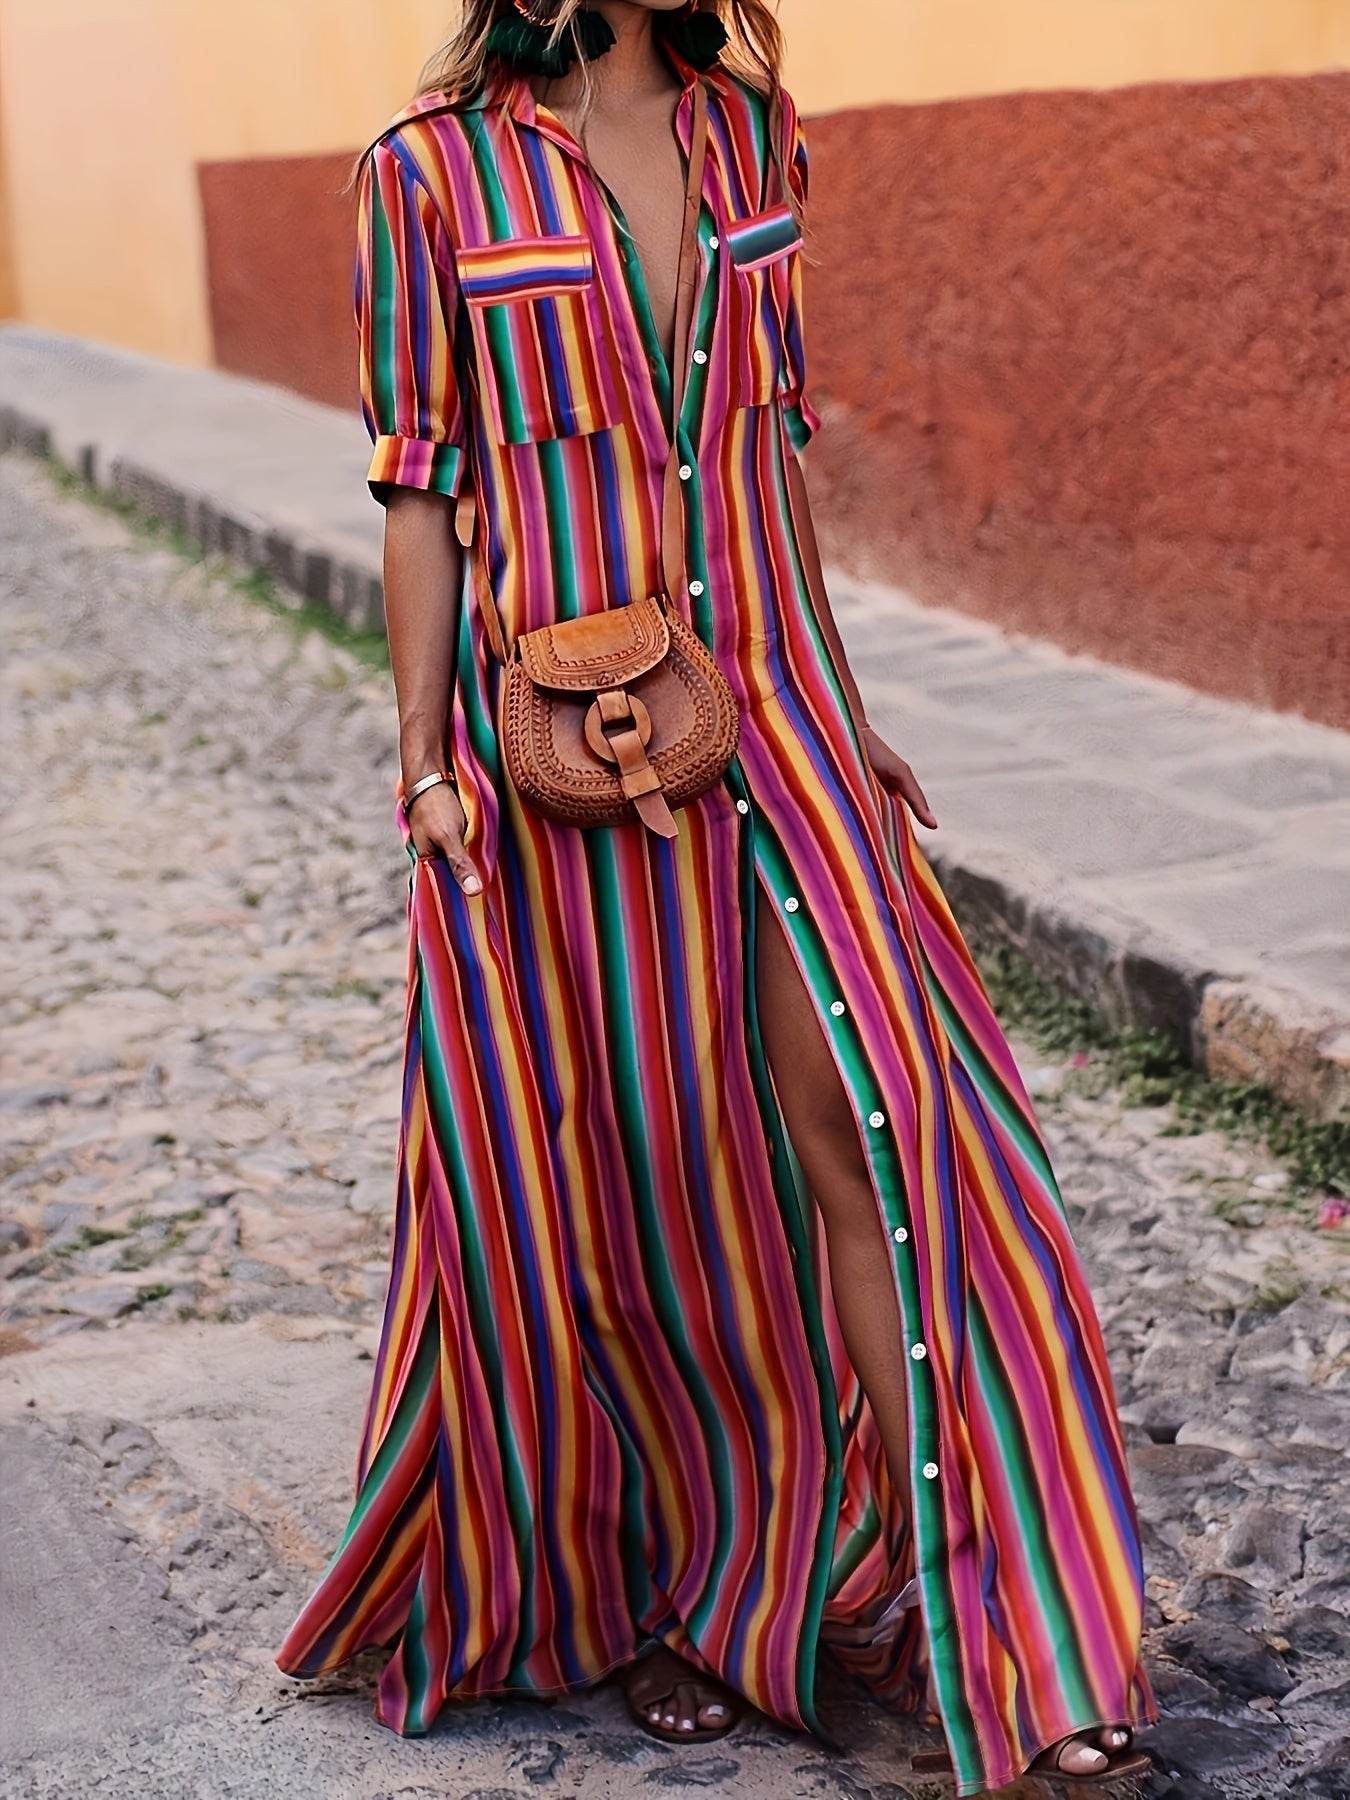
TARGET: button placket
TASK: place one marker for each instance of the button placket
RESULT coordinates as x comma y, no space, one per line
918,1352
881,1149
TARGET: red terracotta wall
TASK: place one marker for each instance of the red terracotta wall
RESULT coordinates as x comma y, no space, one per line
1085,364
280,245
1084,360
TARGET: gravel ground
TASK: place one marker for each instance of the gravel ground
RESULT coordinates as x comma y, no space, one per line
202,911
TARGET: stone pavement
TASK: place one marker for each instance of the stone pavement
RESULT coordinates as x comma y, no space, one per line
1181,862
202,906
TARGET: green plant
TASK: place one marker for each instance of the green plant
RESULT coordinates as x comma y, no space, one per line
1281,1287
370,647
88,1237
1150,1070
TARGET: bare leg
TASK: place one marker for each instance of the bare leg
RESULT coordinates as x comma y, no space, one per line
825,1136
670,1693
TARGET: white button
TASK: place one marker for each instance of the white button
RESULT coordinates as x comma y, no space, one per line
930,1471
713,242
919,1352
685,471
696,588
837,1008
791,903
900,1235
700,356
742,806
875,1119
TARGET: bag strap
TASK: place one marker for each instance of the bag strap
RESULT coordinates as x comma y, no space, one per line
672,503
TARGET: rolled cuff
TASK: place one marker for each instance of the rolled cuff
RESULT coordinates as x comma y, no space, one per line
802,421
415,462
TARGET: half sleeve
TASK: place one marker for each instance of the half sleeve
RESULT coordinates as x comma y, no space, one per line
406,299
802,418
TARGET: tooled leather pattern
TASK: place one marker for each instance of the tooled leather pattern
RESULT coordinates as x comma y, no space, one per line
592,794
598,649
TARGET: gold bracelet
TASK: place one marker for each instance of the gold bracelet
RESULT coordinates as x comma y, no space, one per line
420,787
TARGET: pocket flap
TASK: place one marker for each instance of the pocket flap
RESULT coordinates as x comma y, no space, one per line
526,268
763,237
597,650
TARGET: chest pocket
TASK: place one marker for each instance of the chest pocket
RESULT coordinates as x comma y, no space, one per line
765,250
544,368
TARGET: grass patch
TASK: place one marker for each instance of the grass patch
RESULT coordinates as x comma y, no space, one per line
369,647
169,1235
89,1237
1282,1286
351,987
1149,1070
69,481
157,1290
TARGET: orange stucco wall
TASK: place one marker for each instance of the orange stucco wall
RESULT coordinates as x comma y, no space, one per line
1083,360
9,291
1081,356
280,244
1079,345
106,110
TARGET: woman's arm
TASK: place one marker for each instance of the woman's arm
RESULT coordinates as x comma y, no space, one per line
423,569
892,771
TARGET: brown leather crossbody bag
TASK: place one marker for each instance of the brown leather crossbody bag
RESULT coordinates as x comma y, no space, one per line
622,712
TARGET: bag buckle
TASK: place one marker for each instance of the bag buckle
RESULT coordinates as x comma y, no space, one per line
618,711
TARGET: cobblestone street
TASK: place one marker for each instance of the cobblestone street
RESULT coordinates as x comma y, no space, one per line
202,901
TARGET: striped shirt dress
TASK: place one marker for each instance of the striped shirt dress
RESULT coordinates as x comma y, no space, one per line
611,1400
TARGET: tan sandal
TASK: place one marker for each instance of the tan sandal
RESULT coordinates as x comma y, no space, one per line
1121,1762
630,1677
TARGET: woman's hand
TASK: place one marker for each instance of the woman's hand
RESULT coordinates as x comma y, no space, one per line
436,822
896,776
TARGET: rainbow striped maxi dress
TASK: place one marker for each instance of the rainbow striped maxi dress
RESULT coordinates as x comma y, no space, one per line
611,1399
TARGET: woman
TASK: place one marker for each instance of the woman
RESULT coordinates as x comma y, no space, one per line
732,1314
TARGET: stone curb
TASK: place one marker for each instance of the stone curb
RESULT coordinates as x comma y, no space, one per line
1235,1030
306,569
1231,1030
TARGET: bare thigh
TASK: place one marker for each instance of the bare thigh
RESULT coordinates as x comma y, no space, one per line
824,1132
815,1103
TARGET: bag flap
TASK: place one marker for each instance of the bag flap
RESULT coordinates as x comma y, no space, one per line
597,650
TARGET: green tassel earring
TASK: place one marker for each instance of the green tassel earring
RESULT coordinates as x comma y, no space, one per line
525,43
699,37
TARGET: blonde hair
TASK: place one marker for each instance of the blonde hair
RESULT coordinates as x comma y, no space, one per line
459,68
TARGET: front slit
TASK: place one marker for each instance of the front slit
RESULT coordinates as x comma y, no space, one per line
869,1560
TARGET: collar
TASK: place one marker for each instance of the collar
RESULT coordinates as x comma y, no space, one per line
510,90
